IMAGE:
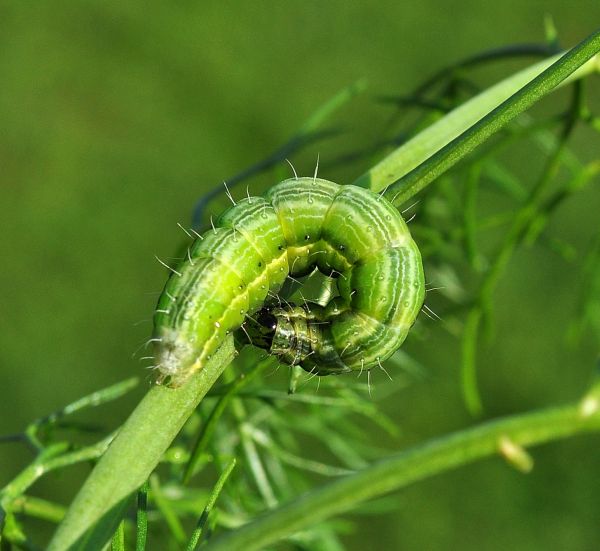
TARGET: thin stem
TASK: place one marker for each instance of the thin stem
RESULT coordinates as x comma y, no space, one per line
521,224
141,518
398,471
404,188
422,159
118,540
50,460
197,533
470,214
38,508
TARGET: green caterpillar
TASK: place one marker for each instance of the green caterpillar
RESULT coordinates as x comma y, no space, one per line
232,271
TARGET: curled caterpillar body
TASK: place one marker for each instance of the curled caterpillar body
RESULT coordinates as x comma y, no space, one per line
347,232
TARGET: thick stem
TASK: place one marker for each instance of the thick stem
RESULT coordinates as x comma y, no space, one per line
132,456
434,457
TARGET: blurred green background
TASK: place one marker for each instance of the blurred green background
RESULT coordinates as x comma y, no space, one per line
115,117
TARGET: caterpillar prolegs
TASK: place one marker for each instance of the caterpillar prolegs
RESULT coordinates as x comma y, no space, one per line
232,271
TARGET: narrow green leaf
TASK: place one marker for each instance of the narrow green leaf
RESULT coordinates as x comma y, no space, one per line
118,540
195,538
141,519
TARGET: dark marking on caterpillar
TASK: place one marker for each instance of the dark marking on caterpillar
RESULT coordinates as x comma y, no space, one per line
233,271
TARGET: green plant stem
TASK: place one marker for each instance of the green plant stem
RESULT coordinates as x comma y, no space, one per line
38,508
118,540
422,159
50,460
132,456
434,457
518,230
141,518
197,533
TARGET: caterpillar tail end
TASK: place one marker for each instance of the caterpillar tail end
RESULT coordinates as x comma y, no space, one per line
176,359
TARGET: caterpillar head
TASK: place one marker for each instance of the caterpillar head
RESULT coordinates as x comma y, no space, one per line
283,331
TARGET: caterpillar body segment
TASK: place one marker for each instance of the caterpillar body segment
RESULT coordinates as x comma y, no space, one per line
347,232
225,277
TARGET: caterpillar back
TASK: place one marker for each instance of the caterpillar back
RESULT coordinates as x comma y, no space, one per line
233,270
